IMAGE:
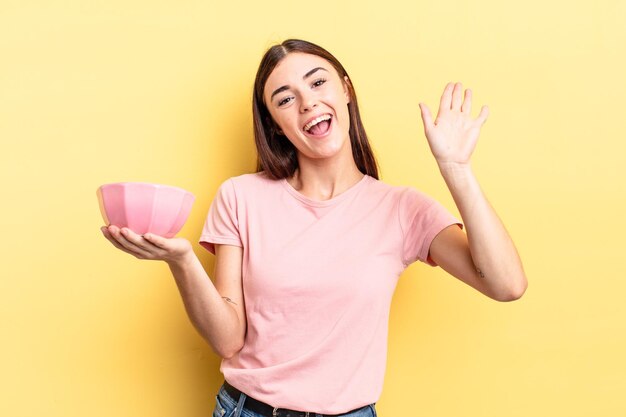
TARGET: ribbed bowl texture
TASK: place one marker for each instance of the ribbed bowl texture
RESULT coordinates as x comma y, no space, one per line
144,207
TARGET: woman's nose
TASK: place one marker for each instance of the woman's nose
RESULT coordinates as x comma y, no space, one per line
307,103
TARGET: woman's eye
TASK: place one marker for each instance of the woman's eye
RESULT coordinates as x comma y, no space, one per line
284,101
319,82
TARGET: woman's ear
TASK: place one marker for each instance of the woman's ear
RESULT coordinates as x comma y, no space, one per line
347,86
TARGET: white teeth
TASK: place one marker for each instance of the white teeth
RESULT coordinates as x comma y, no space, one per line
316,121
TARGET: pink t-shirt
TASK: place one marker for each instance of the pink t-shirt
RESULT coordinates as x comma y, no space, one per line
318,279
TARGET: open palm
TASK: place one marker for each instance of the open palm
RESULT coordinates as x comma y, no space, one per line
453,135
147,246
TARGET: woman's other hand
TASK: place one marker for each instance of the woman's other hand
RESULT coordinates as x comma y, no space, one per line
453,135
148,246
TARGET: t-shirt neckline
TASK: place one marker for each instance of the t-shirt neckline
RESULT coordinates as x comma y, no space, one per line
324,203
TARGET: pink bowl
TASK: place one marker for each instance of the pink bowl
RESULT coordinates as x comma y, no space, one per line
144,207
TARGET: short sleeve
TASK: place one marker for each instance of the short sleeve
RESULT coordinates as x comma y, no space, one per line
421,219
222,225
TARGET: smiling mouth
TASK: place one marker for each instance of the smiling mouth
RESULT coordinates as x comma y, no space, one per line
319,125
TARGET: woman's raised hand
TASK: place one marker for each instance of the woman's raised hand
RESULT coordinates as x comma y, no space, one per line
453,135
148,246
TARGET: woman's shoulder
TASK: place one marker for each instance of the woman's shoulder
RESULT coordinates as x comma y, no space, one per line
402,194
255,182
388,188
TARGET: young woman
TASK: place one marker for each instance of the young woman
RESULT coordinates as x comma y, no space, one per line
309,248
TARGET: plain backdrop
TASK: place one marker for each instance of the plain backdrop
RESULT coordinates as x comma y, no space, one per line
93,92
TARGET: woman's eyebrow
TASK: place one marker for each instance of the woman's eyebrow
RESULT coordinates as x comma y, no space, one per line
313,71
307,75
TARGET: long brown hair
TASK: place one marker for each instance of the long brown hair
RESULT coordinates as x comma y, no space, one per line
276,155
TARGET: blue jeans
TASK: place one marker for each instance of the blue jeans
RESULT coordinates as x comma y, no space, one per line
227,406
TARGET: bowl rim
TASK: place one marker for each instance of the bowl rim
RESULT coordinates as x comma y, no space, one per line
154,185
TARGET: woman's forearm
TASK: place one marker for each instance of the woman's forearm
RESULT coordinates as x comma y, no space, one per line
493,252
213,317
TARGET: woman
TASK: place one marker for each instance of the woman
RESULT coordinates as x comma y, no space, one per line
309,248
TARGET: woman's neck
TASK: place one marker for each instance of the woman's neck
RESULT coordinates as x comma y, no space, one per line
324,184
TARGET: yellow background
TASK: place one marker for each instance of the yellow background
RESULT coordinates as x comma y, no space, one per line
93,92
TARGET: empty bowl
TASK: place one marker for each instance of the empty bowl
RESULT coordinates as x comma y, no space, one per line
144,207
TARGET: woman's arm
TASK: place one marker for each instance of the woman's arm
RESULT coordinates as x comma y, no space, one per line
486,257
216,311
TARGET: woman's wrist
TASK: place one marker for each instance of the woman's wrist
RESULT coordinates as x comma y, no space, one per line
455,173
182,261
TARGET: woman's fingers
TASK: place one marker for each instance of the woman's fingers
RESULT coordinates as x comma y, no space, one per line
457,96
158,241
482,117
147,246
130,242
446,99
142,245
466,107
107,233
427,118
452,99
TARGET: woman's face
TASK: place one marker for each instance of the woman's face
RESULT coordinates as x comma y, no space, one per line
308,100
